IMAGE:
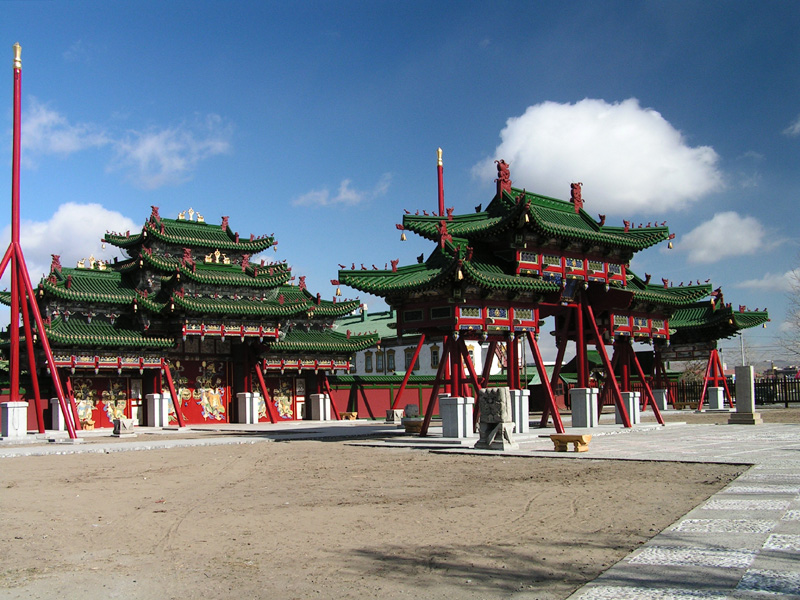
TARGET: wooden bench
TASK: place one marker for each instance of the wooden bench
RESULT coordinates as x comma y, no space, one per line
682,405
579,442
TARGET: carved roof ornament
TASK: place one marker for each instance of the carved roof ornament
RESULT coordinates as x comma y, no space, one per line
56,264
154,216
575,196
224,223
503,177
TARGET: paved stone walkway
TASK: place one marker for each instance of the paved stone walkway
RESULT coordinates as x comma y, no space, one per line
743,543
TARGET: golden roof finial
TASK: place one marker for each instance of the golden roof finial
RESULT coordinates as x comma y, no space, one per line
17,56
439,157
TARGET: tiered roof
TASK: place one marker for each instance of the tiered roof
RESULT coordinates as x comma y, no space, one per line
188,277
710,321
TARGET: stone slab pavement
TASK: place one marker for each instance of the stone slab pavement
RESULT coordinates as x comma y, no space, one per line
742,543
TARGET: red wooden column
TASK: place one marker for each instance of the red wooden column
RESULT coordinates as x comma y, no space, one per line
607,364
440,377
409,371
715,372
176,402
580,344
551,399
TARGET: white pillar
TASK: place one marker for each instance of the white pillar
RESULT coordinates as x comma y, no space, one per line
247,406
320,407
631,402
456,413
660,397
14,417
745,399
520,406
57,421
158,409
716,398
584,406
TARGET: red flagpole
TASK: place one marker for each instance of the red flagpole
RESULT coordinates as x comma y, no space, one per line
440,172
21,288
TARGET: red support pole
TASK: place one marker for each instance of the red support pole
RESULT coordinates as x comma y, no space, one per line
580,345
470,367
647,390
626,421
724,380
176,402
551,399
327,385
561,350
366,402
625,361
267,399
455,368
409,371
487,366
71,418
709,366
32,365
436,385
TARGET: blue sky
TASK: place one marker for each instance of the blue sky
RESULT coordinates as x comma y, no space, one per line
319,122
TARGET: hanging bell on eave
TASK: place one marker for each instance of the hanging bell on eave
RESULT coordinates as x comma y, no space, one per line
338,292
669,245
403,236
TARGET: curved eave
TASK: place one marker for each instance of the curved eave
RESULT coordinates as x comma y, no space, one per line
78,333
123,241
75,294
406,279
191,234
218,274
302,341
242,306
465,226
703,321
496,280
327,308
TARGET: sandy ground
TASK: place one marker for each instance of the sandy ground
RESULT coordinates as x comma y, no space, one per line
328,520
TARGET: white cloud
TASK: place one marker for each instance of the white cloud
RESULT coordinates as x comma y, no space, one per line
630,158
781,282
148,159
793,130
156,158
345,195
45,131
74,232
726,234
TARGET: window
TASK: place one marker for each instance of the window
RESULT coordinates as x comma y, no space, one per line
390,361
379,362
368,362
409,354
434,357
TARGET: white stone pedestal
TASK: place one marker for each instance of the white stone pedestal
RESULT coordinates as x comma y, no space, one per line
14,417
158,409
745,399
456,416
247,405
57,421
716,398
660,397
124,428
394,416
520,407
320,407
584,407
631,402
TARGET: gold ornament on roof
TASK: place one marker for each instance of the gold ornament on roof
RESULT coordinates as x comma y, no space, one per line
17,56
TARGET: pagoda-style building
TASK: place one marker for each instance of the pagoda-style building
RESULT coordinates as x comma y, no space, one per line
192,313
497,273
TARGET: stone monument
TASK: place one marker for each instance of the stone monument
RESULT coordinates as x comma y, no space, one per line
745,399
496,423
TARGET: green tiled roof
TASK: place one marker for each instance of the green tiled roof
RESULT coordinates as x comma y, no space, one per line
222,274
191,234
383,323
669,296
102,333
89,285
295,302
299,340
550,216
704,322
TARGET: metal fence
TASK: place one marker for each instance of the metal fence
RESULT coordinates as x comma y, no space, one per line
768,391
